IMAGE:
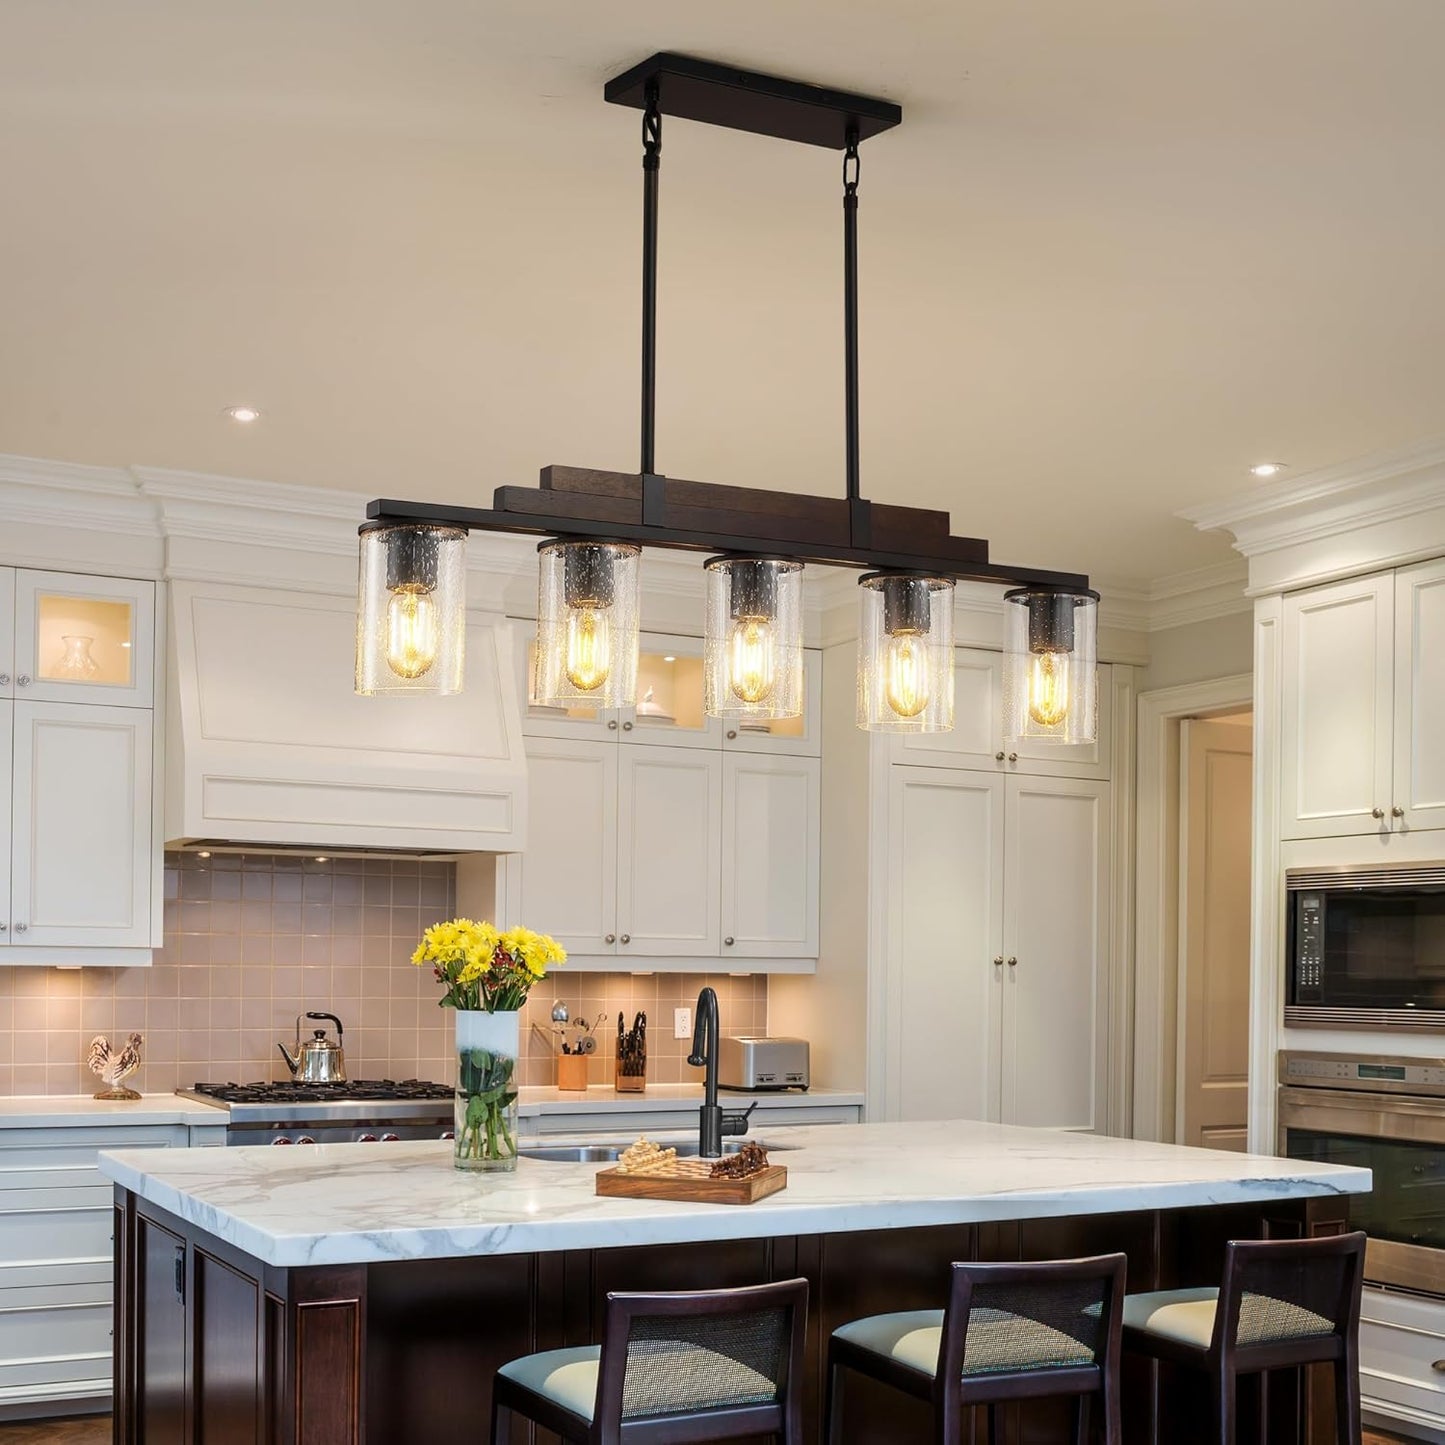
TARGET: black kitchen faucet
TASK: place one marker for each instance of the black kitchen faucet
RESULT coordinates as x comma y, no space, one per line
712,1122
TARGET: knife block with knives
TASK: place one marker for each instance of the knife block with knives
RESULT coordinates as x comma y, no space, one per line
631,1076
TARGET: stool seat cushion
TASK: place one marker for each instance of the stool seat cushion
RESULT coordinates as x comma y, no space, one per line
1187,1316
997,1340
664,1377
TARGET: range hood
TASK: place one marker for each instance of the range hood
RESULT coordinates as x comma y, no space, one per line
268,745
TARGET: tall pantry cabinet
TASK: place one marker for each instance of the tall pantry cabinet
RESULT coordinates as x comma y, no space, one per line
997,874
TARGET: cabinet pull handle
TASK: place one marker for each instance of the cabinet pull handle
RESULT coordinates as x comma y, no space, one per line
611,938
728,941
627,938
1012,961
22,928
181,1273
1377,812
732,733
1397,811
24,679
612,726
998,756
627,727
1013,757
998,960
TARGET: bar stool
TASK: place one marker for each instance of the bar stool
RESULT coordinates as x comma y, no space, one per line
1281,1304
701,1365
1010,1332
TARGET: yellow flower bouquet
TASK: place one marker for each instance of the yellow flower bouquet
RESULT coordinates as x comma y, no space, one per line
488,975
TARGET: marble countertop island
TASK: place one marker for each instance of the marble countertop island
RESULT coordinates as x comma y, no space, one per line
363,1203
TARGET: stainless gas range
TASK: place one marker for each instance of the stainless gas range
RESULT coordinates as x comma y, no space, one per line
363,1111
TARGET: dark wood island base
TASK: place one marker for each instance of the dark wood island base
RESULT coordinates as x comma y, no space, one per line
214,1347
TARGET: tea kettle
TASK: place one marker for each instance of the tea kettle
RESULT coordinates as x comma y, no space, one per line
318,1060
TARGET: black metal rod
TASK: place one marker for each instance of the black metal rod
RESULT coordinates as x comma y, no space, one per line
850,309
651,166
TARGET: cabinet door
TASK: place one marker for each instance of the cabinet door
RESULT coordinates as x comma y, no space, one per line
669,711
1419,757
7,631
943,934
1038,758
1338,707
7,736
577,721
771,809
669,852
798,735
565,883
1056,945
84,639
81,851
977,719
160,1322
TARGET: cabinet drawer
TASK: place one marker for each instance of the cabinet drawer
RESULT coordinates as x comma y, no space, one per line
1397,1366
56,1234
67,1148
36,1333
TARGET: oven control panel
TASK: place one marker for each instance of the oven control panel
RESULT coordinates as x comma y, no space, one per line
1309,948
1369,1073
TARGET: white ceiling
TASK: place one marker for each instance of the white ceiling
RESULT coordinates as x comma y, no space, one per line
1116,253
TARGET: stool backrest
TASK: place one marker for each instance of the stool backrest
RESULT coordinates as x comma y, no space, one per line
1284,1292
1030,1316
673,1352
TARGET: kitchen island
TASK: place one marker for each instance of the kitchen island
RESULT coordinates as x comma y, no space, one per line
340,1294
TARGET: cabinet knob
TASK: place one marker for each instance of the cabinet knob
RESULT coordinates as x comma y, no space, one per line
1012,961
627,938
728,941
23,680
1013,757
998,756
1438,1366
627,727
612,726
4,927
1377,812
22,928
1397,812
732,733
611,938
4,679
998,960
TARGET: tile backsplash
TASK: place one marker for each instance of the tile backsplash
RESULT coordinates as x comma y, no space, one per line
253,940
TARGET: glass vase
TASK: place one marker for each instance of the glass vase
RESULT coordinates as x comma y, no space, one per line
76,662
488,1045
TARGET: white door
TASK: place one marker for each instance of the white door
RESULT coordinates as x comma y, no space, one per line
81,845
7,733
1216,759
669,852
1419,759
84,639
565,881
771,812
1338,709
1056,947
975,741
7,632
943,943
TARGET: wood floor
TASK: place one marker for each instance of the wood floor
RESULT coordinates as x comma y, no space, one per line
95,1430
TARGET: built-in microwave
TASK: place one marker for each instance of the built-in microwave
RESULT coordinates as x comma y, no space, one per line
1366,948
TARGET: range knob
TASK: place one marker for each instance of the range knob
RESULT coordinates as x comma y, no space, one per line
391,1138
366,1139
280,1139
449,1134
306,1139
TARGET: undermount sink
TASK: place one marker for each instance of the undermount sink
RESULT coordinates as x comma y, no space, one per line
609,1151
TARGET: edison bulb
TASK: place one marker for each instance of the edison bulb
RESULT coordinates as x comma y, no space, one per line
413,633
589,648
750,659
905,674
1049,688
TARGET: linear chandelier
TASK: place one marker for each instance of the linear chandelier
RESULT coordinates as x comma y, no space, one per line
412,606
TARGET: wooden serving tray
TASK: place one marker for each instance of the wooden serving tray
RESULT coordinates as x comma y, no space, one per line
686,1180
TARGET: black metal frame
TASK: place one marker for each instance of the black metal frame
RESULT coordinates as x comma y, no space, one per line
786,110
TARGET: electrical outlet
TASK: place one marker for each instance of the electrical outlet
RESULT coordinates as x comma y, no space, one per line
682,1023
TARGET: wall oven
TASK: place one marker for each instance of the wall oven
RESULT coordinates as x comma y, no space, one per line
1386,1115
1366,948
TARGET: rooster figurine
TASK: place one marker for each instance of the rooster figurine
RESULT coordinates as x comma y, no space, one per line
114,1065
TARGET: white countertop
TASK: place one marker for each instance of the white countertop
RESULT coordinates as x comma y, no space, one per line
361,1203
34,1111
659,1098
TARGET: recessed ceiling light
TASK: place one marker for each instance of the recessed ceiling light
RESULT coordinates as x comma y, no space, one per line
203,854
1266,469
669,658
322,858
242,413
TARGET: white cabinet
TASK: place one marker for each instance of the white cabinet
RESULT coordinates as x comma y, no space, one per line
669,853
7,631
1338,705
7,737
770,855
81,826
996,949
1364,705
977,738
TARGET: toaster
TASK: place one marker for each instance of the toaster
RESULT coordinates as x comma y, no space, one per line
762,1063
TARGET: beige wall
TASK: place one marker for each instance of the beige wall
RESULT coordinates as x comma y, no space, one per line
1198,651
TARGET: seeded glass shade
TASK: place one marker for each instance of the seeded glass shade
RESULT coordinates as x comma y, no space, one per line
753,638
587,616
1051,675
905,653
411,614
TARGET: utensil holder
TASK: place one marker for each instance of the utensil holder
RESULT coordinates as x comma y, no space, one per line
572,1072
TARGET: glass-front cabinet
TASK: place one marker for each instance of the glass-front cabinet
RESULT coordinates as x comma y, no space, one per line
80,639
